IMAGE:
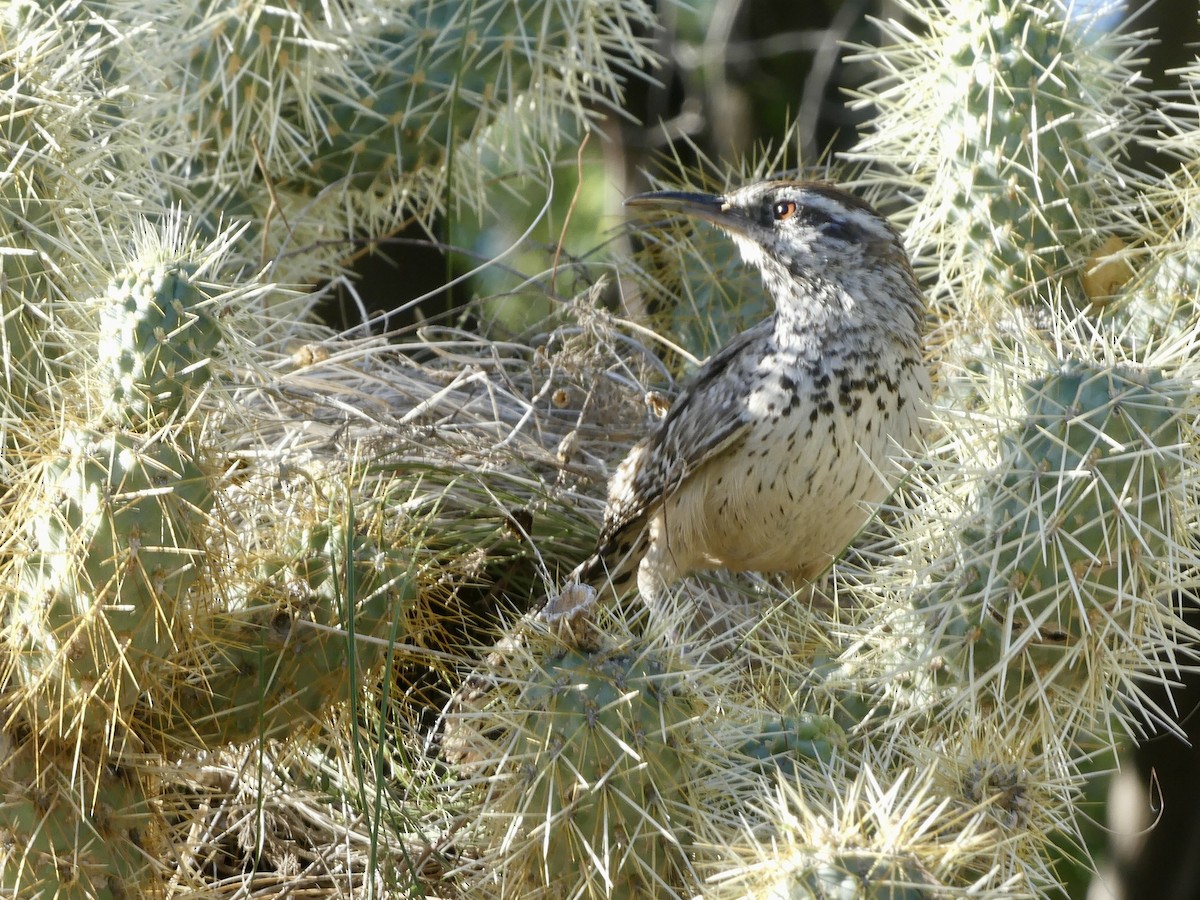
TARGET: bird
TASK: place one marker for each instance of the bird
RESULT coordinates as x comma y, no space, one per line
777,449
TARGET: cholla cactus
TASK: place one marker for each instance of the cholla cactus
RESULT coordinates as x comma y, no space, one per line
168,585
111,549
1050,520
363,116
186,573
72,832
589,753
158,331
1050,576
314,621
115,518
839,833
58,115
1031,584
1010,119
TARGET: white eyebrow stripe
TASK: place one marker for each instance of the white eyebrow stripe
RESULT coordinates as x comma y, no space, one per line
858,218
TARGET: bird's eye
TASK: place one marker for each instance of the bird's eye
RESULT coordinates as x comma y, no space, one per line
784,210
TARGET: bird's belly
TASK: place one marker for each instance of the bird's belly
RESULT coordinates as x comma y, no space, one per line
797,493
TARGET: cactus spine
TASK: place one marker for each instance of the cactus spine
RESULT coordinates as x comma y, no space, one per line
593,776
1053,575
1011,118
177,576
76,834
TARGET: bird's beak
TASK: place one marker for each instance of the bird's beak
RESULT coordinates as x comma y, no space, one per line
709,207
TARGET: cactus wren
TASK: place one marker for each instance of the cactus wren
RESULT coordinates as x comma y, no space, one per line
771,457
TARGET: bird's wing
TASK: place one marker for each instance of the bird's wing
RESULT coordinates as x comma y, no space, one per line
707,419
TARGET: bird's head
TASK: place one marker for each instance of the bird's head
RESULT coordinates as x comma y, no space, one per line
813,231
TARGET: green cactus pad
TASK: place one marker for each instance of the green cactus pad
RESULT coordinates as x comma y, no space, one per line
593,778
1160,307
1012,119
157,335
264,669
786,741
435,81
1022,142
110,549
1063,548
35,261
245,63
75,832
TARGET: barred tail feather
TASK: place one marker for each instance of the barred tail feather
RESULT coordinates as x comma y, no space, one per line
607,573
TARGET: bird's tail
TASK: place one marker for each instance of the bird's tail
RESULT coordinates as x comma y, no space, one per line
606,573
610,573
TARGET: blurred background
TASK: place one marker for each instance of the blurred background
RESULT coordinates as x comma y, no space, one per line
743,79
